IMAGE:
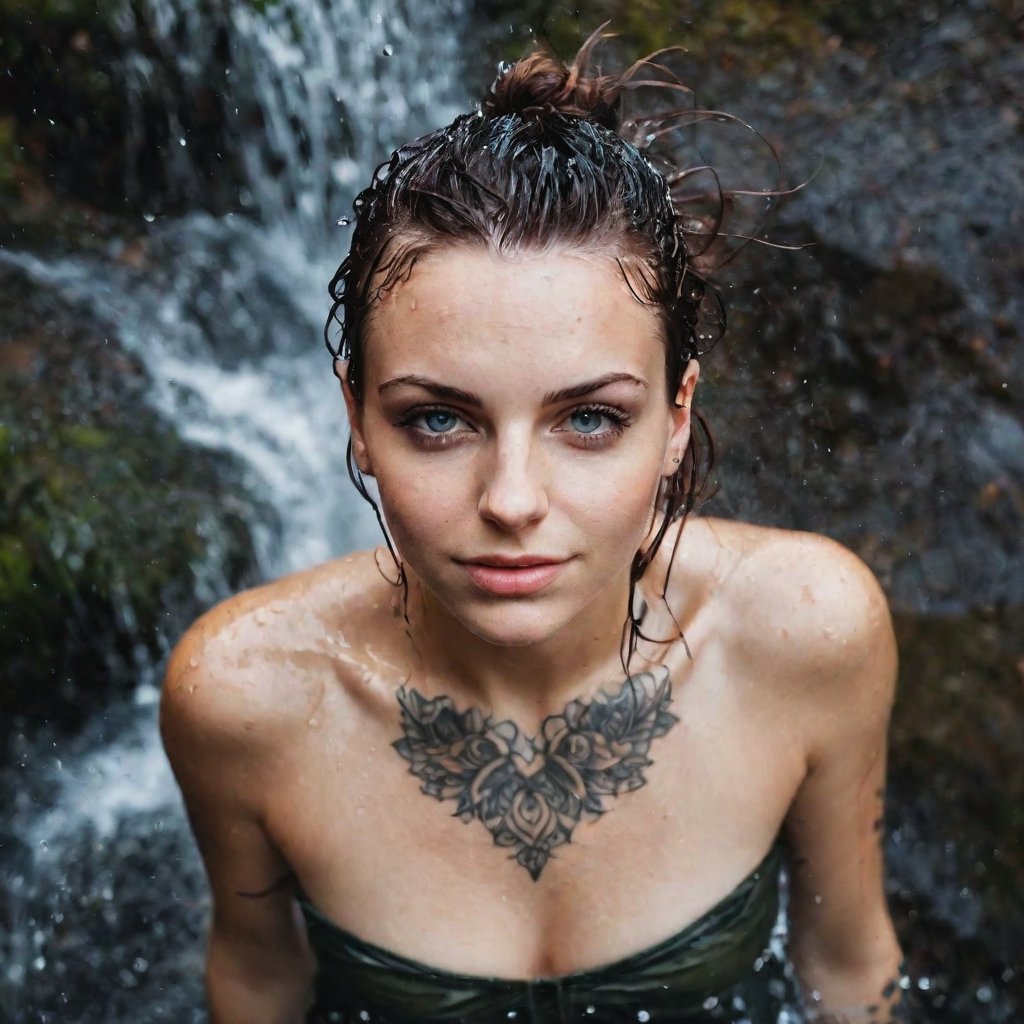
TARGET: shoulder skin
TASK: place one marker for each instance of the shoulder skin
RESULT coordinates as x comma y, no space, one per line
796,610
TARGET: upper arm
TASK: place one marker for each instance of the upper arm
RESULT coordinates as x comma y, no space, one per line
220,746
843,691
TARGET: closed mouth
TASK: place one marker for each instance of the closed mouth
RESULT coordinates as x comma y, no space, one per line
514,561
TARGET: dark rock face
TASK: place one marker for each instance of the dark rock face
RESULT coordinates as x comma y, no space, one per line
111,527
97,109
956,814
869,404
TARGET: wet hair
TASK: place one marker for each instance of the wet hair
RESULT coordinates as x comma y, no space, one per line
547,162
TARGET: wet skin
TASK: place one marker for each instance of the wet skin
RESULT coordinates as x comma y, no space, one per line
281,709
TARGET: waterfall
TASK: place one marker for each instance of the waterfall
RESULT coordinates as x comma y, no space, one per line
227,312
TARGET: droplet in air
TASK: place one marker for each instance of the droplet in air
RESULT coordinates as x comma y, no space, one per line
643,1016
388,50
148,218
182,142
343,222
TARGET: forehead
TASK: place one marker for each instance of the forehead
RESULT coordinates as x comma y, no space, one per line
468,309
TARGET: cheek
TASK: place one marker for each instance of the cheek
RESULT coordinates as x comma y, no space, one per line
615,503
424,506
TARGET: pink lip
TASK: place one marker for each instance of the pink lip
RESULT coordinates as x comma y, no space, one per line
510,580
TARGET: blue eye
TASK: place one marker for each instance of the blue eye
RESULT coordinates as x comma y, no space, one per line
439,421
587,421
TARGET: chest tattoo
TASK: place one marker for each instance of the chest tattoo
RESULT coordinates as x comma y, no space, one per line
531,792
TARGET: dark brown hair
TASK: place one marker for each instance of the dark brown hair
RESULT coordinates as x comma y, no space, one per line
544,162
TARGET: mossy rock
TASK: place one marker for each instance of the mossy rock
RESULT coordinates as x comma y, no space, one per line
114,532
750,34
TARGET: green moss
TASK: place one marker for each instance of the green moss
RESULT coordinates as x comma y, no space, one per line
725,30
108,519
745,34
8,157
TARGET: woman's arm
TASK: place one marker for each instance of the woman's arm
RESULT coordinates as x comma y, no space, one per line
842,940
258,966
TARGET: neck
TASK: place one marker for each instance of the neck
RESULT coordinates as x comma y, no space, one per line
530,681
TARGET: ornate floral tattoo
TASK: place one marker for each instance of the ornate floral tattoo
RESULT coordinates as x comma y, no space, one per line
530,793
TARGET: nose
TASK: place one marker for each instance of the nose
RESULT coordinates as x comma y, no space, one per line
514,493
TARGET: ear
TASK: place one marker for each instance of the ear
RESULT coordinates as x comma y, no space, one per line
355,419
680,435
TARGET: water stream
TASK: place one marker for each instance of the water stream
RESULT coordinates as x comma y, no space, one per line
227,313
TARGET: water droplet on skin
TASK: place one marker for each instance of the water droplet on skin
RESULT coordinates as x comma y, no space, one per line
193,662
313,723
817,898
261,616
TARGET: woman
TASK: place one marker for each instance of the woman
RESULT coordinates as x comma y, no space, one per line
538,759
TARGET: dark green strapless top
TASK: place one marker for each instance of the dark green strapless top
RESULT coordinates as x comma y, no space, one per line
710,970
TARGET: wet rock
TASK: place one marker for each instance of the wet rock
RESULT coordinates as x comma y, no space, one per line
114,532
95,108
865,403
956,812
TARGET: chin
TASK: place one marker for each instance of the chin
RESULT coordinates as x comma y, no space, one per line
506,626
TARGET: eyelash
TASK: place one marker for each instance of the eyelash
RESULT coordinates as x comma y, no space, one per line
427,439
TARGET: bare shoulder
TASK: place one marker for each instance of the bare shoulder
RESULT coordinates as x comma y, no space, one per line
798,605
253,666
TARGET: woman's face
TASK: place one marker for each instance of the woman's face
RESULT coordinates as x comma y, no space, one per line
516,409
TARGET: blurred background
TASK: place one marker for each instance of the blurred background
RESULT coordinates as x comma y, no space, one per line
175,182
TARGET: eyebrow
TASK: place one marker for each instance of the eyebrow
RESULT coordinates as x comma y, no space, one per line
551,398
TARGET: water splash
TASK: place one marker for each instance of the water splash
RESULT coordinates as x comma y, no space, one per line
227,313
319,90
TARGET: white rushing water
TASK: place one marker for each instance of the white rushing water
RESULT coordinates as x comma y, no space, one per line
227,313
